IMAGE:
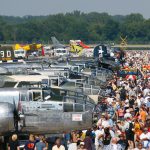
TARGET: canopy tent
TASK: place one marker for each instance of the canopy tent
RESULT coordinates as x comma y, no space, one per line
131,77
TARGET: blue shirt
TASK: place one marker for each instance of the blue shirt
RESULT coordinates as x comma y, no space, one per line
40,145
148,104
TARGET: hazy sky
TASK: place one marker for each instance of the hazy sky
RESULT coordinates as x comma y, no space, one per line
45,7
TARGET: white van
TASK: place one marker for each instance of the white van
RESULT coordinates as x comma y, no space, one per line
20,53
60,52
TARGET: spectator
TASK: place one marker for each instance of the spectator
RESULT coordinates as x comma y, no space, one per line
142,114
123,94
145,138
114,145
82,146
13,143
123,142
30,145
88,141
107,137
41,144
58,145
98,138
139,146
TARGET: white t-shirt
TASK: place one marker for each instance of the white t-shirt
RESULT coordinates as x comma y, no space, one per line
127,115
105,123
100,121
143,136
112,133
97,134
60,148
146,91
146,99
138,102
114,146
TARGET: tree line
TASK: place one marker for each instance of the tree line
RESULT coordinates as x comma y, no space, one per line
89,27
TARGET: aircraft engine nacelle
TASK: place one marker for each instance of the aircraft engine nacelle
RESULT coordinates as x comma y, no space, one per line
6,117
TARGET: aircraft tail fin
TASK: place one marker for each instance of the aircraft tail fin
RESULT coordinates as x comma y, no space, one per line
55,41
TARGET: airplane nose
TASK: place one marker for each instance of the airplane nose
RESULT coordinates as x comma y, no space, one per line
6,117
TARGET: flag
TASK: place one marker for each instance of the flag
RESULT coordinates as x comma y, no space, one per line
43,53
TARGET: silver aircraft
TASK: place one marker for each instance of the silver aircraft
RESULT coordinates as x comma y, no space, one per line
44,110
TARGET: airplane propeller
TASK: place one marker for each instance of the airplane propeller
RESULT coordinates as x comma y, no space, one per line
16,116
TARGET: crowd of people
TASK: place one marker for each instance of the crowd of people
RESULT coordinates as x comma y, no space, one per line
123,117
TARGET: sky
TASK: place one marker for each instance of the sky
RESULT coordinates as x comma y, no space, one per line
45,7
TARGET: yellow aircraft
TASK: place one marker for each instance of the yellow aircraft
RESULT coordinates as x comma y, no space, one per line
27,47
75,48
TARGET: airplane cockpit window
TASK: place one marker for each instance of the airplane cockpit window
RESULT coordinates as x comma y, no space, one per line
68,107
78,108
75,69
46,95
63,51
58,51
62,93
36,96
23,97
